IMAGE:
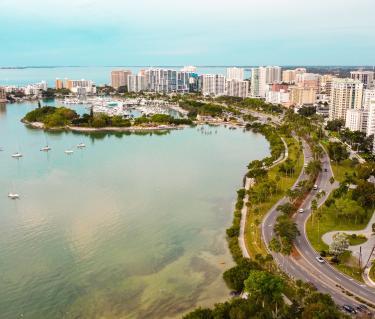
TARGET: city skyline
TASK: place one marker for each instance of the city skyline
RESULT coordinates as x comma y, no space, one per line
91,33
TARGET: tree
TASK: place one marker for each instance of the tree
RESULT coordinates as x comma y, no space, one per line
339,244
235,277
287,208
265,288
337,151
200,313
335,125
364,194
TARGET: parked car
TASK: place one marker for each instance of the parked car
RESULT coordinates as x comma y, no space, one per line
320,259
315,187
301,210
349,309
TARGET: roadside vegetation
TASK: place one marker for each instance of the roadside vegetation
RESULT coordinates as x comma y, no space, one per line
258,288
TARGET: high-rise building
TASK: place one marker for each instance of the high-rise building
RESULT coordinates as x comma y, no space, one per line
302,96
289,76
368,96
213,84
370,130
278,93
262,76
59,84
308,80
366,77
235,74
167,81
137,83
354,119
345,94
81,87
237,88
120,78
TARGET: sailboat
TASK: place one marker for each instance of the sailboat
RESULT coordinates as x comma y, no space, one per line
45,149
17,155
69,152
13,195
81,145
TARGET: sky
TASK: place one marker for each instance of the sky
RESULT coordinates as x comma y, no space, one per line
186,32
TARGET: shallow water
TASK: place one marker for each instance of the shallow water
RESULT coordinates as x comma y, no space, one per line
132,226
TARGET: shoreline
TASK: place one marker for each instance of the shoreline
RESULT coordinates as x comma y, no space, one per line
40,125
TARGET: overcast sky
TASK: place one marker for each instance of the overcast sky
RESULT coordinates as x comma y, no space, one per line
178,32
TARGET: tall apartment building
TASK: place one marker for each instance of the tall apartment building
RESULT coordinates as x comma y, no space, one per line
302,96
308,80
368,96
136,83
237,88
235,74
213,84
345,94
120,78
81,87
289,76
366,77
354,118
167,81
59,84
370,130
262,76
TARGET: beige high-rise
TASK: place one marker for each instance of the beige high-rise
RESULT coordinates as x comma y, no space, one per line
345,94
120,78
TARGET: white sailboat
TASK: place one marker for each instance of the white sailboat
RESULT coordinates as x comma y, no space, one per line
13,195
17,155
81,145
45,149
69,152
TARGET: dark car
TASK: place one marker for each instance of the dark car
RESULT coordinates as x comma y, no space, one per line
349,309
363,308
326,170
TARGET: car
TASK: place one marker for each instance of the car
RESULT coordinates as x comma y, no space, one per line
349,309
305,166
320,259
315,187
363,308
301,210
326,170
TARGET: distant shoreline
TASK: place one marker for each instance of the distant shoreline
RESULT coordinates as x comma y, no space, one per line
40,125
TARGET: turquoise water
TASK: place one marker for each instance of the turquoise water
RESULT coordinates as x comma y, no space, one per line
129,227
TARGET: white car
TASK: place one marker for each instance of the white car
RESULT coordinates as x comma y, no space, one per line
301,210
320,259
315,187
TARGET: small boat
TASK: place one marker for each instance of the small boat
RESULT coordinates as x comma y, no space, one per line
17,155
13,196
45,149
81,145
68,152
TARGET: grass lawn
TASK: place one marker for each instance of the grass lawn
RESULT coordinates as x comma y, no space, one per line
372,272
358,240
256,214
327,223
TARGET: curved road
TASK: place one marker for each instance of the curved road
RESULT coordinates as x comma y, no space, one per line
304,265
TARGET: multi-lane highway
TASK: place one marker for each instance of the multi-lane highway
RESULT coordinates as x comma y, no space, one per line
303,264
